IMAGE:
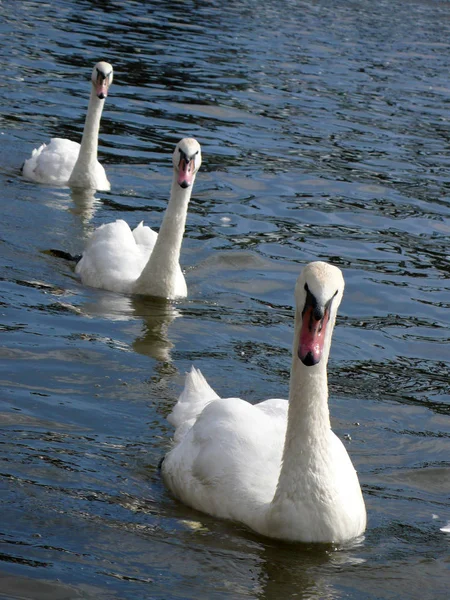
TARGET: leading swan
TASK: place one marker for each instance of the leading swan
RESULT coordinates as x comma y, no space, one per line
63,162
277,466
140,261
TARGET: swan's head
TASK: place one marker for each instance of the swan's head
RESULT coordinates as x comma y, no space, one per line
318,293
187,158
102,76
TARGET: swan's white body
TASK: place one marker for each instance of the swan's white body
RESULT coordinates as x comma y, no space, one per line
141,261
275,466
67,163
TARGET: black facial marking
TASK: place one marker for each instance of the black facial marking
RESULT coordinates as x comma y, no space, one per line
318,312
185,156
311,302
101,74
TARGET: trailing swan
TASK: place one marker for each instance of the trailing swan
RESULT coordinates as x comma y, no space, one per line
276,466
140,261
63,162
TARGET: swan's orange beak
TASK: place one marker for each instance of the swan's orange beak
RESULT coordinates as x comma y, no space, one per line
186,171
312,334
101,86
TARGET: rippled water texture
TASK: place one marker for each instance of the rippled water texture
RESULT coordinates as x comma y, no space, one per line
325,135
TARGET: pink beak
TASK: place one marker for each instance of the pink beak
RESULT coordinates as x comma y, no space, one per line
185,173
101,87
312,337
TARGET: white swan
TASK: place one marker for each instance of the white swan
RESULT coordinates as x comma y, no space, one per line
142,261
276,466
64,162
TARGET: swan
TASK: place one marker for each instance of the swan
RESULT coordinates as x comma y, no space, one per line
140,261
277,467
67,163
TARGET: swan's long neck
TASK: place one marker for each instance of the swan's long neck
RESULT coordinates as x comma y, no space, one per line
163,268
308,426
87,158
89,141
318,497
304,467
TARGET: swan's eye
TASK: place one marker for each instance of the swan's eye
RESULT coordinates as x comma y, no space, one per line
306,287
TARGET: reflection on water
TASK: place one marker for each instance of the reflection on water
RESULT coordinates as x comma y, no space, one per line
153,314
325,136
84,204
157,317
279,573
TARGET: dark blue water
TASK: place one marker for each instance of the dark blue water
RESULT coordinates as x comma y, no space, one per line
325,135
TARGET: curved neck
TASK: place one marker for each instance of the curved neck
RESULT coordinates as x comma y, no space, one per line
163,266
89,141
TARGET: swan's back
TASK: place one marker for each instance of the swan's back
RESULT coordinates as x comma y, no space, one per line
145,236
115,256
230,455
52,163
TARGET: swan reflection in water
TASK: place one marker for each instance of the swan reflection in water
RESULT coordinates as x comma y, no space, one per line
155,315
81,203
310,570
84,205
278,569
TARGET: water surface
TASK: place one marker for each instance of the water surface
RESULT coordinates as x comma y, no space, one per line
325,135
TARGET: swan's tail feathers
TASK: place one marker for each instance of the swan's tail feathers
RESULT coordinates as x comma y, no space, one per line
196,395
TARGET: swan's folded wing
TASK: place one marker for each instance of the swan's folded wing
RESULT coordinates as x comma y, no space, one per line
145,236
117,232
197,393
64,146
112,259
228,461
52,163
275,407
